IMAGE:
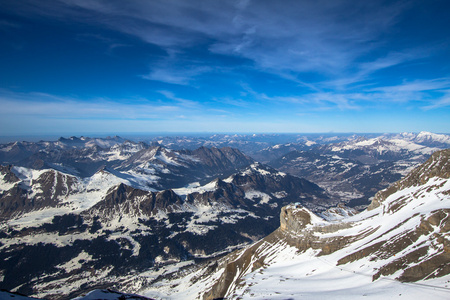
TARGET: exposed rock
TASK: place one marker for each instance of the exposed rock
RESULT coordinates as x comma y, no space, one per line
294,218
14,202
8,174
124,200
45,191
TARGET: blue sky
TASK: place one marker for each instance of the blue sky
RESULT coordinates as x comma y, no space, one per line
75,67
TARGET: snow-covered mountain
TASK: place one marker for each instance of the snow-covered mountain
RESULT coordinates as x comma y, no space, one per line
173,169
64,235
427,139
151,165
35,195
77,156
397,247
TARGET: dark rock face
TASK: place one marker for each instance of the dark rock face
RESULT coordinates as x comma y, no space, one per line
14,202
48,189
53,185
8,174
221,160
125,200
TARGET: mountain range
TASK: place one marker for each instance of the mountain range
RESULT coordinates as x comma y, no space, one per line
79,214
64,234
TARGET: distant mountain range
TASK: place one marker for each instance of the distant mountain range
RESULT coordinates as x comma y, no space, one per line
350,167
353,171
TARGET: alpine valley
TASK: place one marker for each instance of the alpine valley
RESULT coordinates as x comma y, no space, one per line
264,216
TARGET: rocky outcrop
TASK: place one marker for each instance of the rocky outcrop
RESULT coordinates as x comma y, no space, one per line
294,218
14,202
238,264
8,174
296,229
124,200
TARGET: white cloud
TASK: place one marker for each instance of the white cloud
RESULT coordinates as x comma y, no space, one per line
49,106
322,36
439,102
184,102
171,74
437,84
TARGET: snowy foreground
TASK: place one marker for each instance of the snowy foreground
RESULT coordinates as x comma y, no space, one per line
306,276
290,275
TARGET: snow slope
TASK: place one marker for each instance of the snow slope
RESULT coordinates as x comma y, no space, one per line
309,275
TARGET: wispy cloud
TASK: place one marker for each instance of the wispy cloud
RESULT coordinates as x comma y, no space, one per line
316,100
286,38
437,84
439,103
176,75
431,94
236,102
303,36
7,25
184,102
443,100
362,72
175,68
43,105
